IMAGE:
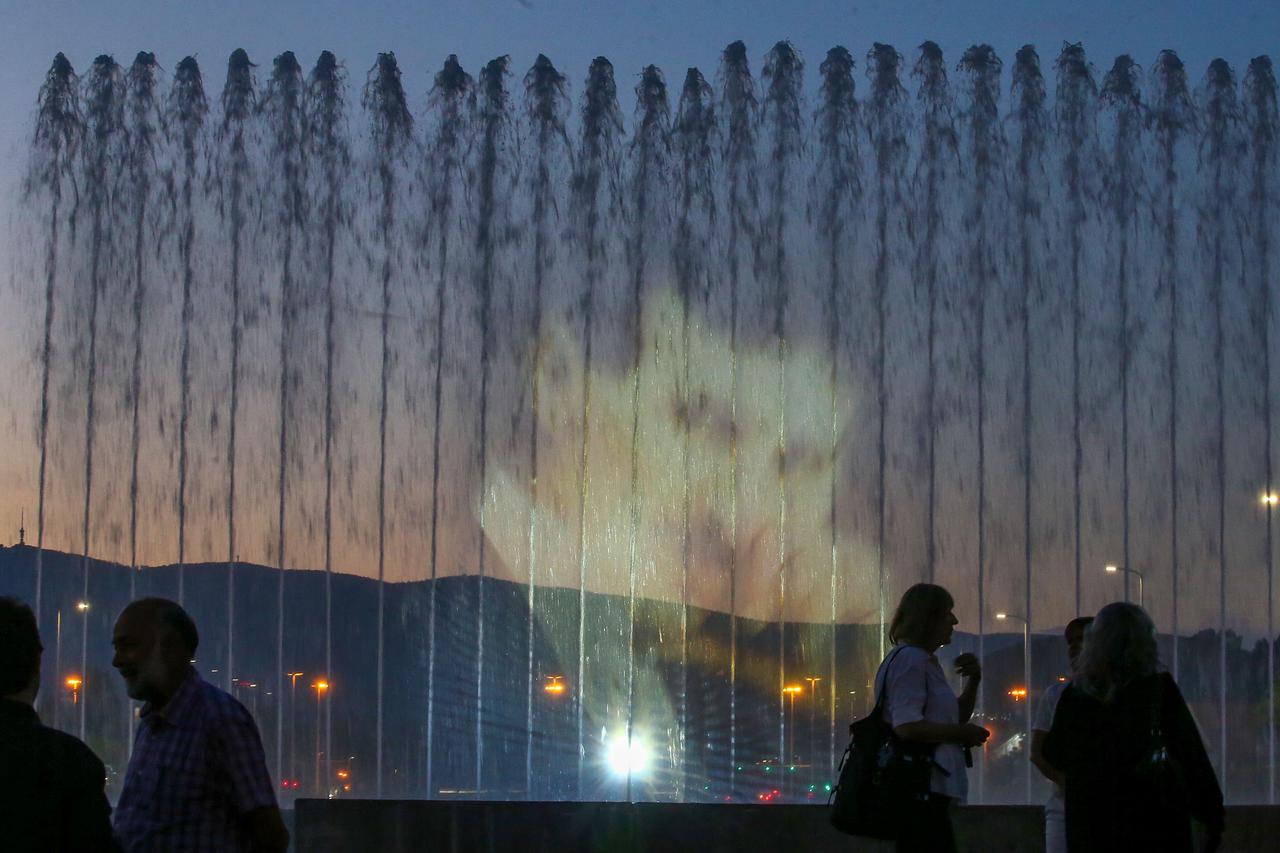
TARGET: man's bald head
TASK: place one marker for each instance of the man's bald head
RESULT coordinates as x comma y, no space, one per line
168,616
155,641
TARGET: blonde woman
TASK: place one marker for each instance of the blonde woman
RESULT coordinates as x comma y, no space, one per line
1125,743
923,710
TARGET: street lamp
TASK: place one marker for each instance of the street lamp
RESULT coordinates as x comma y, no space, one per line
1269,499
74,682
57,658
293,723
320,686
1113,569
813,710
83,606
790,691
1026,682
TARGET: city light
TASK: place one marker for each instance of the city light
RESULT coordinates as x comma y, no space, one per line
793,689
1018,693
1002,615
627,759
320,686
1113,569
1271,499
554,685
82,606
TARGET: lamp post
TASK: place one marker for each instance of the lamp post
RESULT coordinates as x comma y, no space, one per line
1270,499
293,724
57,661
320,686
1026,683
1114,569
791,691
813,708
83,607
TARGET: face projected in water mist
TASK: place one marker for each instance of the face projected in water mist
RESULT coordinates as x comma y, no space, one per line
659,500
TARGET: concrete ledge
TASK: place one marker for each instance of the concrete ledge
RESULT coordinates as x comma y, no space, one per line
399,826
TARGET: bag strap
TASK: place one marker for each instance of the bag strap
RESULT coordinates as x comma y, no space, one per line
880,682
1156,709
881,685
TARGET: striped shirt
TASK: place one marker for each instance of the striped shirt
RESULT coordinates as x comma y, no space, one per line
197,769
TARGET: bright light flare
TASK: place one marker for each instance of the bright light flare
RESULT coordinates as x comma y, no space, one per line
1271,499
73,682
1112,569
1002,615
626,758
1018,693
82,606
554,685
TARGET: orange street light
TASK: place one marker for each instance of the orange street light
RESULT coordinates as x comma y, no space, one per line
1018,693
555,685
320,685
74,683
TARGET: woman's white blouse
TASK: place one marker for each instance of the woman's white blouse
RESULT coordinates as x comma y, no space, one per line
916,689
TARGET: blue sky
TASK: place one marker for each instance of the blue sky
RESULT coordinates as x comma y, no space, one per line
674,35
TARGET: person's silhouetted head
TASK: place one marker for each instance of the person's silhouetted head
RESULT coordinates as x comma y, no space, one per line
924,617
1119,647
1074,635
155,642
19,651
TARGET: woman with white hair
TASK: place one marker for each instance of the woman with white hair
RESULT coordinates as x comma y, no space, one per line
1123,739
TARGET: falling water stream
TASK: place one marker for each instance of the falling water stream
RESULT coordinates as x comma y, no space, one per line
583,453
328,147
1264,126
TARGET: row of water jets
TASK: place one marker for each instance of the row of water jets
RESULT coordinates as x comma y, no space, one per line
126,178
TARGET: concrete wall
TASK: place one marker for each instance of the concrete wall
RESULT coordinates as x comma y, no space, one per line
400,826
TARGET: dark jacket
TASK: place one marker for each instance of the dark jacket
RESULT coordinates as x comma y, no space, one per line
1099,747
51,788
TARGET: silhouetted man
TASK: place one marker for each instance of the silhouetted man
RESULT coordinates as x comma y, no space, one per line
197,780
51,785
1055,826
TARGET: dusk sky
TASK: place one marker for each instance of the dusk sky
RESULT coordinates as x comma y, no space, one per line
671,35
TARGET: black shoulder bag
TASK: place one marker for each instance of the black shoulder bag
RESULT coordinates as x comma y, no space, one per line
881,775
1158,768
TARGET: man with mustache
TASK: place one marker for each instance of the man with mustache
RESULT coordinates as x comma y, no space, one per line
198,778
